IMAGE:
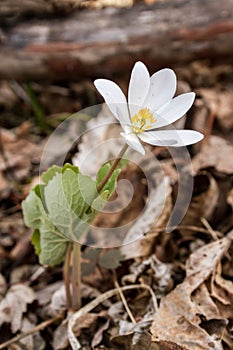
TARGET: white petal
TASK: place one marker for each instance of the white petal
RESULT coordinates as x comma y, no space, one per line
174,109
174,138
162,89
114,98
138,87
133,141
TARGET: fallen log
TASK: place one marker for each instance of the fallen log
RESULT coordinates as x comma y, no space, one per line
106,42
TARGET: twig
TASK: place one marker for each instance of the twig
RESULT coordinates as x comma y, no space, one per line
123,298
89,307
39,327
181,227
212,233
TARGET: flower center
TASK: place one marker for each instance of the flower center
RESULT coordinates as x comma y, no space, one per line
142,121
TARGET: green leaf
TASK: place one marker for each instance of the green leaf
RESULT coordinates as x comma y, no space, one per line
33,209
49,174
67,197
36,241
53,245
111,183
62,208
97,205
71,167
111,259
103,172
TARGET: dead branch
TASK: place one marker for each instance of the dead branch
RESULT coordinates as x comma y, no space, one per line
94,43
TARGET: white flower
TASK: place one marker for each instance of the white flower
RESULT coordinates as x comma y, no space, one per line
150,106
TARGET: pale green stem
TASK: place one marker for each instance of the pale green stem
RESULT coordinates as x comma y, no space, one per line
76,277
66,275
113,167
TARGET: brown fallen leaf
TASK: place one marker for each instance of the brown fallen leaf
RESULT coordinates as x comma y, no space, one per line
133,337
202,298
224,114
90,324
16,157
179,317
14,304
203,202
217,153
159,272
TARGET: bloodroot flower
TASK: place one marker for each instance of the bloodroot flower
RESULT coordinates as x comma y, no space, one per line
150,106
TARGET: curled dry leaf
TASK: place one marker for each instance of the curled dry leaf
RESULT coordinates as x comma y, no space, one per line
159,271
221,290
133,337
204,201
179,318
15,303
89,326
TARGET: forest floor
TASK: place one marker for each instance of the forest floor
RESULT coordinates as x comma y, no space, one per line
182,290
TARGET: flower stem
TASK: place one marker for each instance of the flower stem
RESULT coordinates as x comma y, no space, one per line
76,263
113,167
76,277
66,275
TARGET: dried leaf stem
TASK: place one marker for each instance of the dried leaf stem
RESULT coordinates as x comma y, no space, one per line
39,327
123,298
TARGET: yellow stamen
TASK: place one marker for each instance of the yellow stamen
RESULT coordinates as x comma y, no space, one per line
142,121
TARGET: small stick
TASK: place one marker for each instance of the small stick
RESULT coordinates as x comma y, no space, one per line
123,298
181,227
39,327
212,233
